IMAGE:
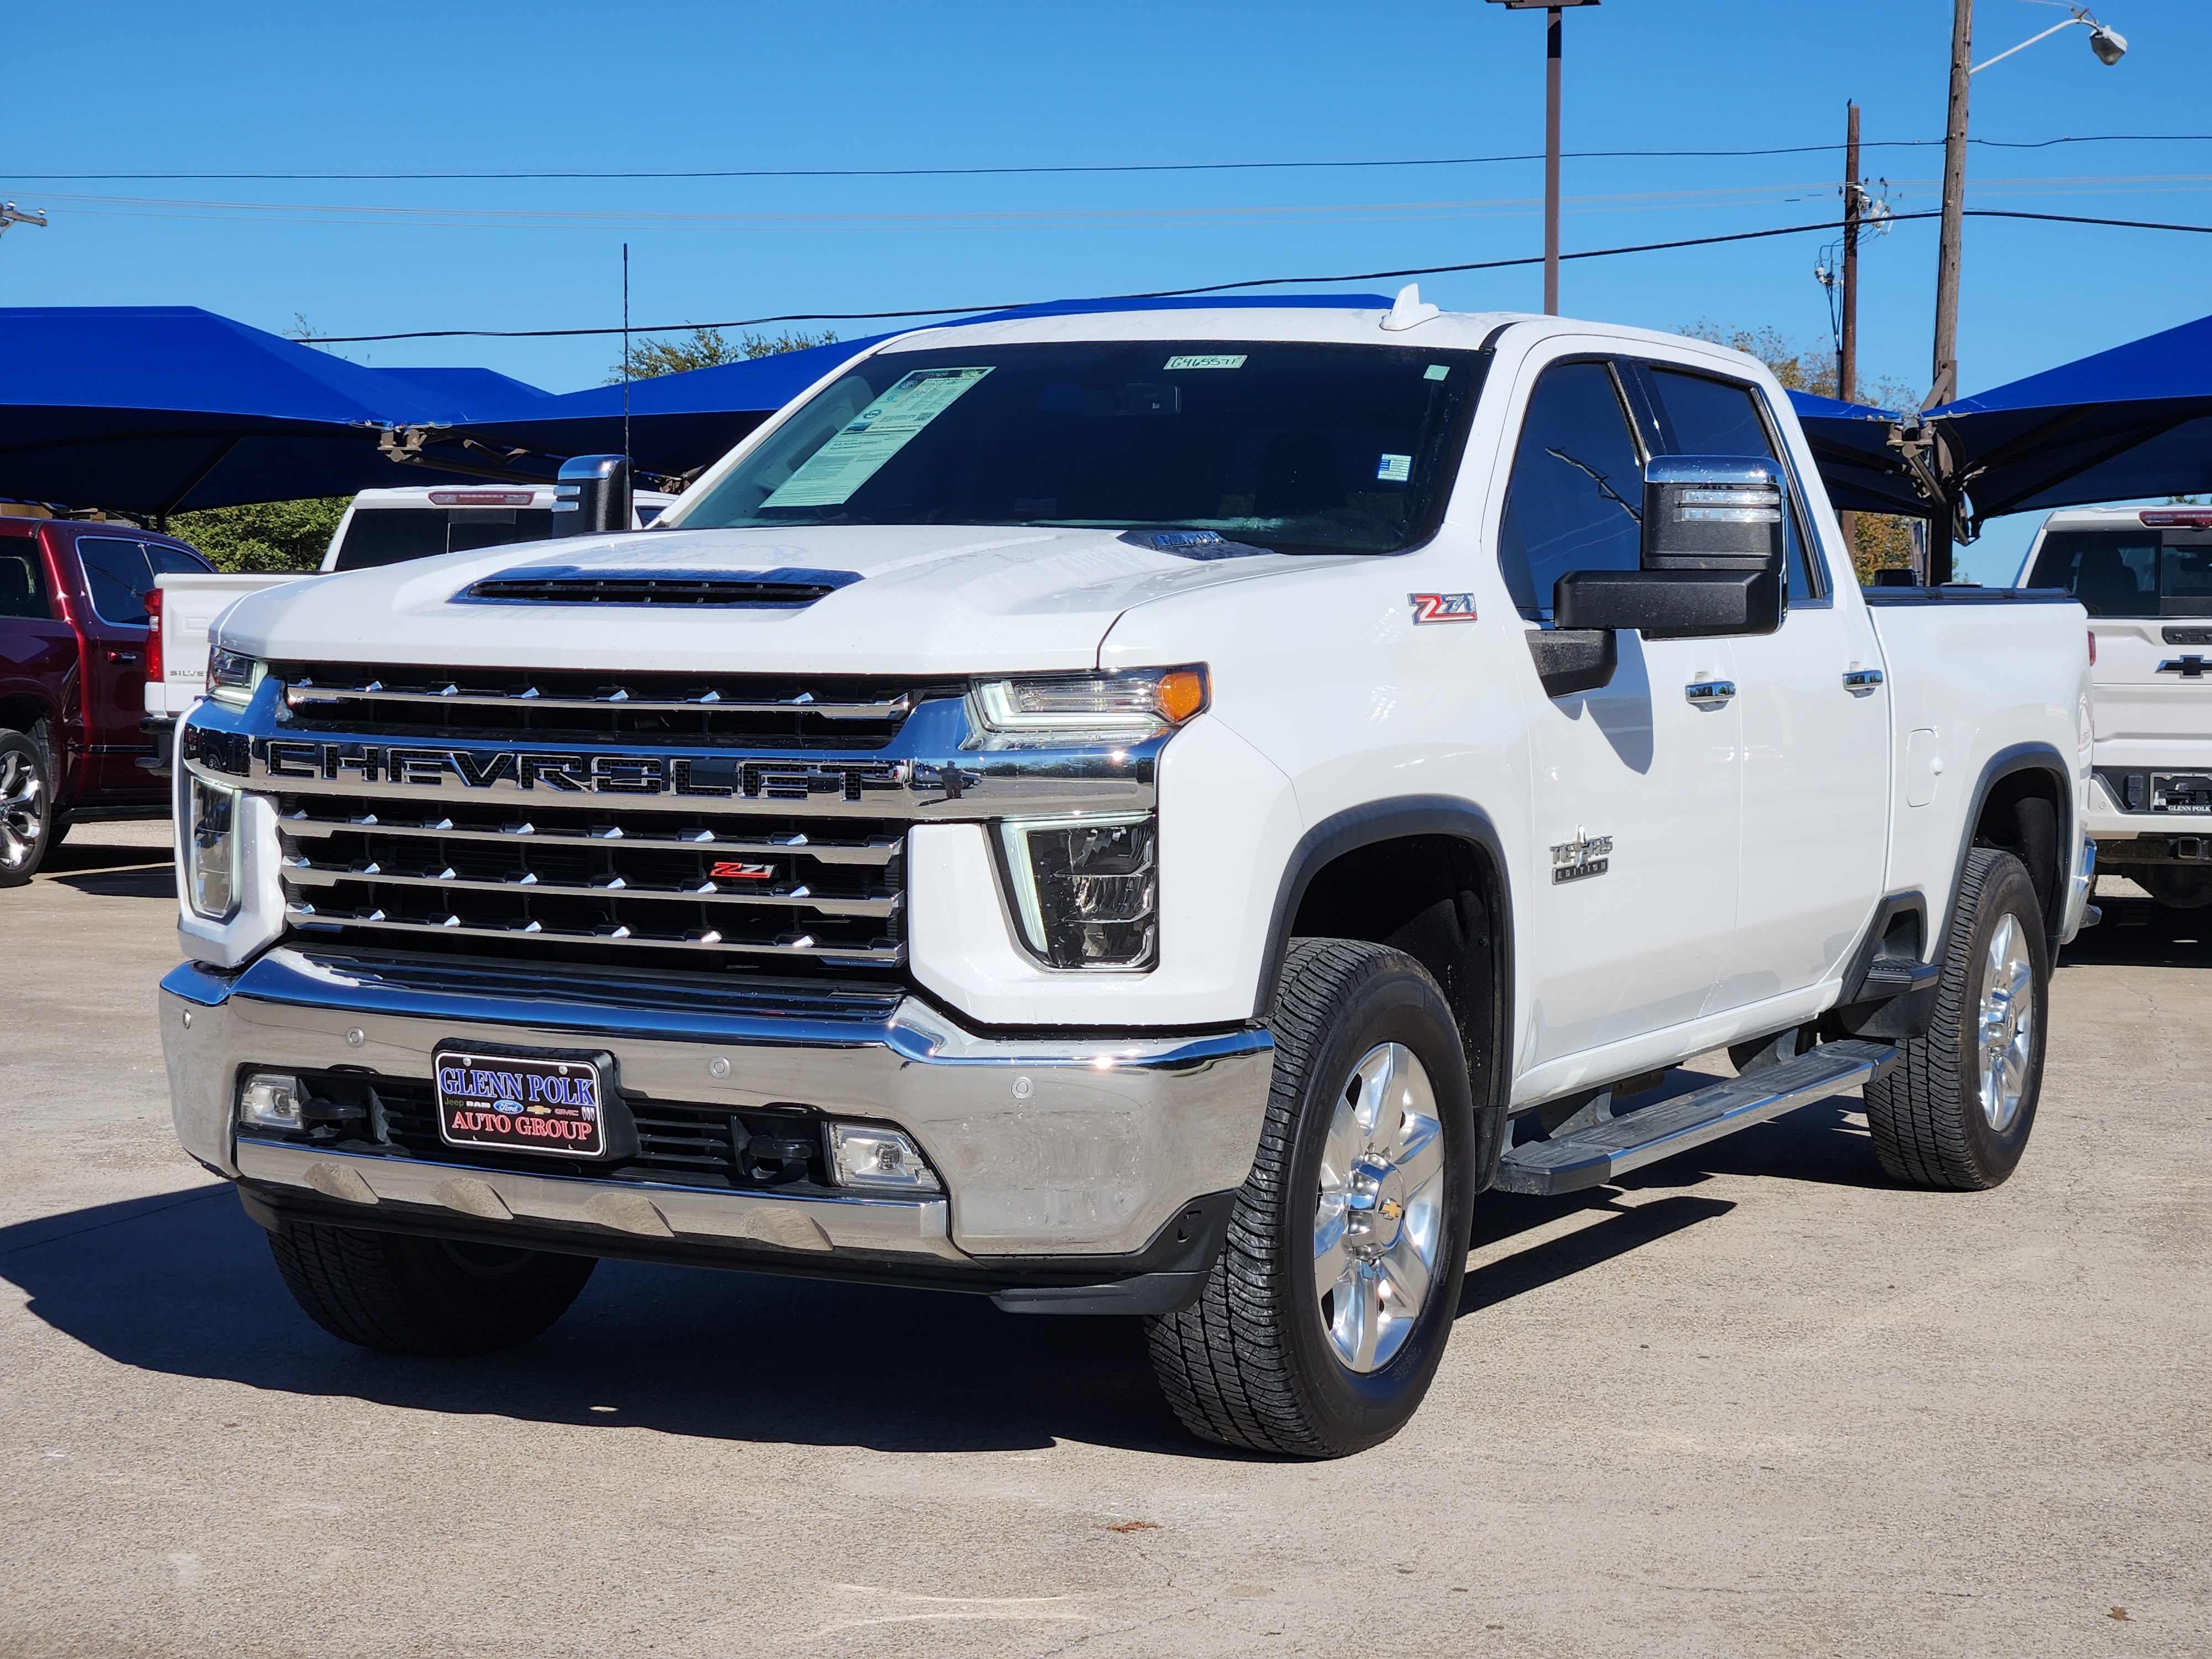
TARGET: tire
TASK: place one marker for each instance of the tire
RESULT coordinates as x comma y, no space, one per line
26,808
1937,1120
1252,1363
400,1294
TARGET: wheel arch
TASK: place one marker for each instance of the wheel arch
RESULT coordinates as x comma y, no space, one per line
2008,811
1425,874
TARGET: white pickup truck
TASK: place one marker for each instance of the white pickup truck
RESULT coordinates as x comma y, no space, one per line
2144,574
380,528
1148,812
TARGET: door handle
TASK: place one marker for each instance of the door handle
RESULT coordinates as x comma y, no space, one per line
1710,694
1859,681
123,656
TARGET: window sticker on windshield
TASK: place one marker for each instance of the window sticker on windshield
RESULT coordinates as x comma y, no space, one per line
1222,361
833,472
1438,372
1394,469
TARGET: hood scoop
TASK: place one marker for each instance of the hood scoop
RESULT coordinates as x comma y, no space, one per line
746,590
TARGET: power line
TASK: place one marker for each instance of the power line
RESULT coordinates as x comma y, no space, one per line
1074,169
1223,288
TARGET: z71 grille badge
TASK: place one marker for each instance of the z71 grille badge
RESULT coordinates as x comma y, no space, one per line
1585,856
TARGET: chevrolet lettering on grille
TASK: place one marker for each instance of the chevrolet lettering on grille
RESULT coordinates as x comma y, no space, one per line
571,772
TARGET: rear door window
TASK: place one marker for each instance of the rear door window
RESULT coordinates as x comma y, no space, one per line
118,574
1701,416
1576,497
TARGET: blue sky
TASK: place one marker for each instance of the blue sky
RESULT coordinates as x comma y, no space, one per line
139,89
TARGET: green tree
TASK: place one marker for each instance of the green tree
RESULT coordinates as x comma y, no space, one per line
1880,541
264,535
708,348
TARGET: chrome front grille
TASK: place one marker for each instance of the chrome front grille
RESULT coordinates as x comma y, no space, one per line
759,711
594,882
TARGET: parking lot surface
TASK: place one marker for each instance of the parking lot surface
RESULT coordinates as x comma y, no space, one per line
1757,1400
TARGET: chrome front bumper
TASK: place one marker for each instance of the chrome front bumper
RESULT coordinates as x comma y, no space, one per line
1052,1148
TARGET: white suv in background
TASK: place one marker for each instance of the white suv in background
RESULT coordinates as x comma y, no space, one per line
2145,576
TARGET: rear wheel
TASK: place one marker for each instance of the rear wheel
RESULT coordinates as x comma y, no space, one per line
26,807
1957,1112
1324,1319
400,1294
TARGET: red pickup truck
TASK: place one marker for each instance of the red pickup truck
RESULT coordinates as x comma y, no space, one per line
73,644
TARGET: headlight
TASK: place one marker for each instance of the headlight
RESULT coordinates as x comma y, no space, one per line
1092,708
211,853
1085,891
232,676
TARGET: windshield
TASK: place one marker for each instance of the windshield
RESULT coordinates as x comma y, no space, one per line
1297,447
2129,572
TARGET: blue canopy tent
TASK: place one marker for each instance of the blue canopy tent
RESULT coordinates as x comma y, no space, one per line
155,409
2132,421
1851,447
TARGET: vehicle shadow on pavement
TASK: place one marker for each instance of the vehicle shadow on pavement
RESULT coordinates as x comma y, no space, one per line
183,1284
2136,932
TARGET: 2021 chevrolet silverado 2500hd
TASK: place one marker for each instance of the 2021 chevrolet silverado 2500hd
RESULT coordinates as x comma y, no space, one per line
1147,812
380,528
72,672
2145,576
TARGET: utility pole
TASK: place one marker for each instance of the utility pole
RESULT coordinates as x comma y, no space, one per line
12,214
1944,384
1553,33
1847,339
1552,30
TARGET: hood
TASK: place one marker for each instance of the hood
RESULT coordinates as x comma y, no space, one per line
905,600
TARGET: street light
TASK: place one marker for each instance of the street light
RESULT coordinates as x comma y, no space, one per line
1552,33
2109,45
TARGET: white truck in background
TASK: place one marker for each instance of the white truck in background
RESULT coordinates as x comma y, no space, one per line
380,528
1148,813
2144,575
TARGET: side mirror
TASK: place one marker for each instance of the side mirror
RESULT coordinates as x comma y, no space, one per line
1712,555
591,496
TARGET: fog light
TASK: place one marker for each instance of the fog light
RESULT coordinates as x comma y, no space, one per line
868,1155
269,1100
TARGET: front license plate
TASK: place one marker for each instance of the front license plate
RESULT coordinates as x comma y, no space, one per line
521,1103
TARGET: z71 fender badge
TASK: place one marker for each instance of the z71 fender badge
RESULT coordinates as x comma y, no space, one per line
1442,607
1586,855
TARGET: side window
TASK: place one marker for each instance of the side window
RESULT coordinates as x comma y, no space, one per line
169,561
1574,499
119,575
23,580
1705,416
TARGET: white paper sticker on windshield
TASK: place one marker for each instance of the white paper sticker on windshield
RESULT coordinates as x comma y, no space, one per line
1394,469
833,472
1223,360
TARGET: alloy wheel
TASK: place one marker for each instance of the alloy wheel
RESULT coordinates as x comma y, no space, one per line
2007,1026
1377,1223
22,811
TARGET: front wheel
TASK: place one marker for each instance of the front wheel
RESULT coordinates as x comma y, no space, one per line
1957,1112
1323,1321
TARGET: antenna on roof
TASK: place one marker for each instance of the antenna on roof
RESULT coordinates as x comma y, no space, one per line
1411,310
